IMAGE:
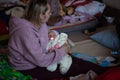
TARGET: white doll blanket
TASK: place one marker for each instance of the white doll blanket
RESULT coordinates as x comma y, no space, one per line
59,41
66,61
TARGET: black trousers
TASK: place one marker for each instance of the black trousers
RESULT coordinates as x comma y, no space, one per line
78,66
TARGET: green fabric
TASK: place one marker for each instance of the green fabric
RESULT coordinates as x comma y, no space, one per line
8,73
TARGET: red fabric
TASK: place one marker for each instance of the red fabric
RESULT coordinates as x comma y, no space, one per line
78,4
3,28
98,14
63,1
82,3
112,74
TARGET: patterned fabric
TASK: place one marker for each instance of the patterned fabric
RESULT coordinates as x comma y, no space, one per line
7,72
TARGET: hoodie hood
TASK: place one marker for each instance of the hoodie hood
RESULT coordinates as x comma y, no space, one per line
17,24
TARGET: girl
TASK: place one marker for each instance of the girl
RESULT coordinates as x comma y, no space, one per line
28,41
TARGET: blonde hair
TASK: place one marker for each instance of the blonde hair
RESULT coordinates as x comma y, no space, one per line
34,9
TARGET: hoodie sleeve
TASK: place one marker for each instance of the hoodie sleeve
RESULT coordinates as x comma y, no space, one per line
34,52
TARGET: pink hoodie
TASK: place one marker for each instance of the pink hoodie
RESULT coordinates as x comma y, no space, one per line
27,46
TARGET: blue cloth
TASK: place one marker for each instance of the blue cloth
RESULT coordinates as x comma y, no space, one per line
84,57
108,38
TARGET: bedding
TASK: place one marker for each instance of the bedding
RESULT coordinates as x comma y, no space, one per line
90,7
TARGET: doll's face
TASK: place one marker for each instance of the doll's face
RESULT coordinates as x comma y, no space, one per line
52,35
70,10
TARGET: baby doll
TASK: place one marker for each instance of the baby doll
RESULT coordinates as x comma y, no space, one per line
56,41
67,14
54,34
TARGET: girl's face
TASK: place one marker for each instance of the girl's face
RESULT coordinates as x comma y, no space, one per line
47,14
